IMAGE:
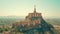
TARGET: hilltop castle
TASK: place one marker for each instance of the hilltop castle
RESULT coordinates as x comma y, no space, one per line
34,23
32,18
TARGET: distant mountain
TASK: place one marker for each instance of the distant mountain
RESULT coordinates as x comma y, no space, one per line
54,21
10,19
11,16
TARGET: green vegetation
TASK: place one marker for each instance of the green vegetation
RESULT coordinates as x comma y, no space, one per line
3,29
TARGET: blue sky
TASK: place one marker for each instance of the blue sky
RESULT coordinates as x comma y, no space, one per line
48,8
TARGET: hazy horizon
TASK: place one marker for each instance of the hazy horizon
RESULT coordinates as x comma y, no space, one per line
48,8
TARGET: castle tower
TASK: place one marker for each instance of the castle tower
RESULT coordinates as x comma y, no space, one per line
34,14
34,8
